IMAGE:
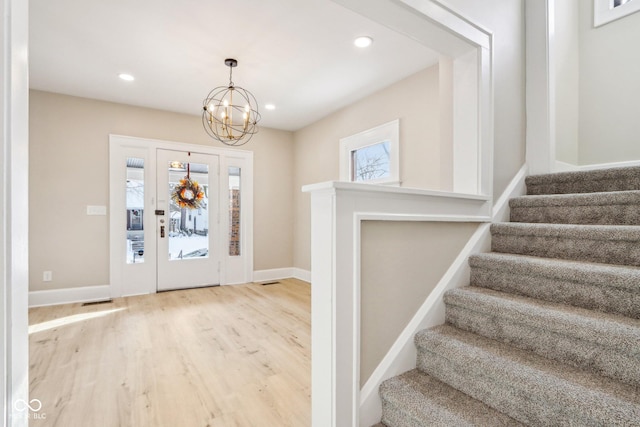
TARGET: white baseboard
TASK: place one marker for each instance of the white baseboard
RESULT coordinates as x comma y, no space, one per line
103,292
281,273
568,167
272,274
565,167
69,295
300,274
609,165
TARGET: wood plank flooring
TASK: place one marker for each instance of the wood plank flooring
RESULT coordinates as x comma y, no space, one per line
219,357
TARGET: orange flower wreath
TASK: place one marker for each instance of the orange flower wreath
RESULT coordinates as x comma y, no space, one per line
188,194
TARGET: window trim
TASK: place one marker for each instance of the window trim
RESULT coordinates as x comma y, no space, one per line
604,12
389,131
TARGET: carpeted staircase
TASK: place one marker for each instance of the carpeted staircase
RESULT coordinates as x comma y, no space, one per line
548,333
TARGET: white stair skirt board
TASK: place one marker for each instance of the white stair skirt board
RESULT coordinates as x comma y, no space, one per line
69,295
281,273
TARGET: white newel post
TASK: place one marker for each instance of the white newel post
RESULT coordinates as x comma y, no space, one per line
332,319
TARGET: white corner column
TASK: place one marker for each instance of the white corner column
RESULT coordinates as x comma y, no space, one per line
540,89
333,376
14,216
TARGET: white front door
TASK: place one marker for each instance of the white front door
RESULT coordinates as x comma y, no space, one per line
187,216
180,247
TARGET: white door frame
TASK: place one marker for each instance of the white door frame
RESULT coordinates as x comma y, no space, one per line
133,279
14,216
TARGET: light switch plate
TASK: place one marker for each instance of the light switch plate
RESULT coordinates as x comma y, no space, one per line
96,210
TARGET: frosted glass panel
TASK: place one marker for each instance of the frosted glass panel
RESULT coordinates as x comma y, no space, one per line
188,211
135,210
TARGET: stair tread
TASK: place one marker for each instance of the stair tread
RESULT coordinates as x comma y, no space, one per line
574,231
549,331
603,329
619,276
428,400
591,175
609,173
568,386
577,199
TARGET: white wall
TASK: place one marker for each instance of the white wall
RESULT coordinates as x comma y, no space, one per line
415,101
402,262
69,170
505,19
609,129
567,97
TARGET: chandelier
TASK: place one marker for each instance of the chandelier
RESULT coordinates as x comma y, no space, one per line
230,113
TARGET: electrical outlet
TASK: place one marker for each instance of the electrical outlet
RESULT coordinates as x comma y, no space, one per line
47,276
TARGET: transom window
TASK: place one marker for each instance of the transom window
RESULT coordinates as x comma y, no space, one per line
605,11
371,156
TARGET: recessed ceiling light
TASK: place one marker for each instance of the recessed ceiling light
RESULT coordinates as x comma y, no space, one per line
270,107
126,77
364,41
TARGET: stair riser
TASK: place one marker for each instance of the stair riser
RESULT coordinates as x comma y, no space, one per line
602,251
602,215
607,361
593,296
396,416
511,401
521,394
540,363
393,415
415,399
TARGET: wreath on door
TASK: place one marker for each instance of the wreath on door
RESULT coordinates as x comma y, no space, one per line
188,194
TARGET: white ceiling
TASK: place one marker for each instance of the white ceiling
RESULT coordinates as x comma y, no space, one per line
296,54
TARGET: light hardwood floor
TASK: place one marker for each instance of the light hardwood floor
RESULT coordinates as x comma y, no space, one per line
220,357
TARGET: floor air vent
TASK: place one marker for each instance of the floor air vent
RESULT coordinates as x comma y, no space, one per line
107,301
